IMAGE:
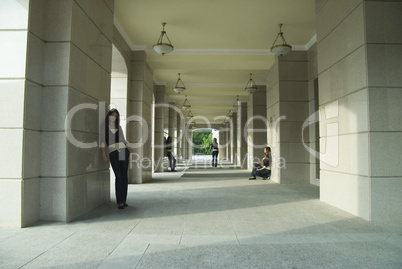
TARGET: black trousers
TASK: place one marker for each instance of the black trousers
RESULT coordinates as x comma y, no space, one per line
172,161
215,158
262,173
119,162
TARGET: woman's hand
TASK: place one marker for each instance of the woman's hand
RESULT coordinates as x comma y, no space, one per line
105,157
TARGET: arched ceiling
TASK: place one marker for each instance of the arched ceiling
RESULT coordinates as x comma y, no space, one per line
217,44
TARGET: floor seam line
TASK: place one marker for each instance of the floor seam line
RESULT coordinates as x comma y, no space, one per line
234,231
48,249
143,254
119,244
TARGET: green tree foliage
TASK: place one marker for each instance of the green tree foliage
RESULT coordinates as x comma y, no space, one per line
206,144
202,140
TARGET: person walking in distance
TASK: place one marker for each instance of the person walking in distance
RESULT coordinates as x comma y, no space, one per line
215,152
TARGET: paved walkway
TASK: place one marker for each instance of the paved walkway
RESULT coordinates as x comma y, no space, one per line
208,218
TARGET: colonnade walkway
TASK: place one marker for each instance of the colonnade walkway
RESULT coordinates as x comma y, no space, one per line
203,217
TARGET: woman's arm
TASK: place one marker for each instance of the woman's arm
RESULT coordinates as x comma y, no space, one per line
262,168
122,138
125,143
104,154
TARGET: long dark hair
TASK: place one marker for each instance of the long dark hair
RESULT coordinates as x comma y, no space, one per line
267,151
169,140
116,123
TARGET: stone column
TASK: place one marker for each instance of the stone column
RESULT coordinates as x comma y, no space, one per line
360,91
273,117
16,88
229,143
312,140
179,135
160,102
189,139
222,143
287,111
241,136
172,126
184,142
233,132
60,84
139,126
257,126
77,73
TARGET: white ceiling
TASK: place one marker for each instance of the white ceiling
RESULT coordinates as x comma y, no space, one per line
217,43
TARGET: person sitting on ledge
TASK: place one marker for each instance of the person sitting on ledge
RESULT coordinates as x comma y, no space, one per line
263,170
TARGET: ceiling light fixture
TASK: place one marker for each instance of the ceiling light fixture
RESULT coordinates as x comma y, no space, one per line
189,115
236,104
251,87
160,47
179,86
280,49
228,117
186,105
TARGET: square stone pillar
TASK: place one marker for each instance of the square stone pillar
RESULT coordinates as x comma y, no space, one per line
189,143
233,132
172,126
360,91
159,140
61,82
184,142
228,147
16,90
139,124
257,126
223,143
287,111
77,77
312,140
179,135
242,135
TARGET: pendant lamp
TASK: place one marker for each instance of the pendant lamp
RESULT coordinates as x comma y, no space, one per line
283,48
251,87
186,105
160,47
179,86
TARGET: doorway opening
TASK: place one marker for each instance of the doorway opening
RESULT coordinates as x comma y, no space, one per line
201,139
